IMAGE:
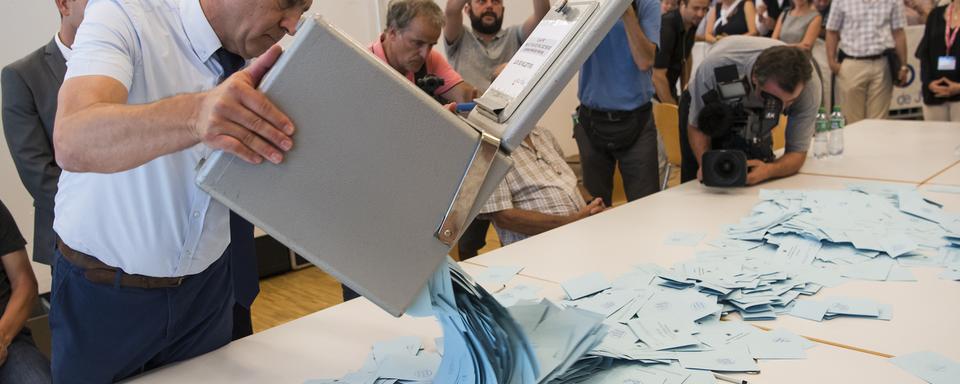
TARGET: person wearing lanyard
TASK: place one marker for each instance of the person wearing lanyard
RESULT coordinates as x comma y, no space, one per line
142,276
939,75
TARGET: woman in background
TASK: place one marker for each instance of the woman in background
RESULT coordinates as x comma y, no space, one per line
799,25
938,52
730,17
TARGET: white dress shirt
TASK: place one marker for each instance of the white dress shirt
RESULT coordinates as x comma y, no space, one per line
64,49
151,220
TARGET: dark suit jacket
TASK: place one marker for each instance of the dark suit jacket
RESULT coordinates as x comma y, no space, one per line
30,86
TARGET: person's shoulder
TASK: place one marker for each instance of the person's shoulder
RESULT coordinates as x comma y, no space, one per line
6,218
436,57
648,3
938,11
742,43
27,62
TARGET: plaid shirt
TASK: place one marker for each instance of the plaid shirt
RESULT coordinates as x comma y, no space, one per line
865,25
540,181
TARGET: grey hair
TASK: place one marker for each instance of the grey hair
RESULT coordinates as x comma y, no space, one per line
400,13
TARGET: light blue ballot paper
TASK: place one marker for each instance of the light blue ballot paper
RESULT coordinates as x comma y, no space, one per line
929,366
585,285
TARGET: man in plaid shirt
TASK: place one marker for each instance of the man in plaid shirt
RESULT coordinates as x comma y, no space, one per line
865,30
539,194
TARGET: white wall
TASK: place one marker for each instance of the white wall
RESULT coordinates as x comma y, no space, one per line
26,25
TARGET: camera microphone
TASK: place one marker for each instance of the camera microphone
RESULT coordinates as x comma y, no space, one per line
715,119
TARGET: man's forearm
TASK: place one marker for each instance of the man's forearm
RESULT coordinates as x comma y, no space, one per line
540,9
662,86
833,39
641,48
528,222
23,293
461,93
453,20
900,44
787,165
107,138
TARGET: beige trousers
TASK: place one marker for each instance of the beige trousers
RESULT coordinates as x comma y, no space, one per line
942,112
865,89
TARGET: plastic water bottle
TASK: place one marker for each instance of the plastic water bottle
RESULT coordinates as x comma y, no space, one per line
837,122
820,138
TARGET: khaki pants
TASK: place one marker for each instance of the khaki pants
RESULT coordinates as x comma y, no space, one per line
942,112
865,89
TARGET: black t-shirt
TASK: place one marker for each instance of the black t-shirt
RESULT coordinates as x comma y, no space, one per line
676,44
10,241
931,47
736,21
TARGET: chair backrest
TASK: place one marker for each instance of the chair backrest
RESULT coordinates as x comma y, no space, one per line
667,119
779,133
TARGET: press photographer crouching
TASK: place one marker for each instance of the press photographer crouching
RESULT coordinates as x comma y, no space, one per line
734,102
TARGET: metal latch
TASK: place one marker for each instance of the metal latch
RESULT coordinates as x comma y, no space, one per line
463,201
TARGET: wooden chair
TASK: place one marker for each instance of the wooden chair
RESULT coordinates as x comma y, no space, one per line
667,119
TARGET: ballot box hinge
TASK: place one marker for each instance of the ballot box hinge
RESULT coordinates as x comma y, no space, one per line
463,201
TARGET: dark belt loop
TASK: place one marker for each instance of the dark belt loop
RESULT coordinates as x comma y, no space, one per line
116,278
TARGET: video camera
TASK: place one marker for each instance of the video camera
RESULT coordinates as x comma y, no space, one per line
429,83
740,128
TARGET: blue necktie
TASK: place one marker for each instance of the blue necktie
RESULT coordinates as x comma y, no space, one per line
243,256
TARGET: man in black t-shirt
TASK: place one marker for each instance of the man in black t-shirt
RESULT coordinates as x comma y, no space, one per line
20,361
677,30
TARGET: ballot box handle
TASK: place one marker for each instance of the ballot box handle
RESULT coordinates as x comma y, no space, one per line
463,201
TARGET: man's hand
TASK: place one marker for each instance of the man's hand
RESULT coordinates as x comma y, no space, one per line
903,75
3,353
596,206
758,171
239,119
835,67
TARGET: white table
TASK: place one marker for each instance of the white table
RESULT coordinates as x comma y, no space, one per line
892,150
925,316
951,176
634,233
336,341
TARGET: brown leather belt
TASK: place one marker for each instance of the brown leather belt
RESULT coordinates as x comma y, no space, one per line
97,272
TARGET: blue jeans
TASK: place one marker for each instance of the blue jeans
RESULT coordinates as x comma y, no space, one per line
25,364
105,333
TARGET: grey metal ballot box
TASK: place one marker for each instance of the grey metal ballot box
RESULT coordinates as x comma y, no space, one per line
382,179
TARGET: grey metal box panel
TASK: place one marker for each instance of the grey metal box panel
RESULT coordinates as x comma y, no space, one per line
374,167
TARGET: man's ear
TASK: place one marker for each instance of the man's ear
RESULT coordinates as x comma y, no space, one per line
63,8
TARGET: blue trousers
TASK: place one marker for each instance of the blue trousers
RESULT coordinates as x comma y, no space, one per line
25,364
105,333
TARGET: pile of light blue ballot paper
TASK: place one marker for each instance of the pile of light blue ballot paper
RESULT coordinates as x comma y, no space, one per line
662,326
536,342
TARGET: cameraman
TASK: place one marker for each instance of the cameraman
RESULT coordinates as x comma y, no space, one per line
413,28
773,71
